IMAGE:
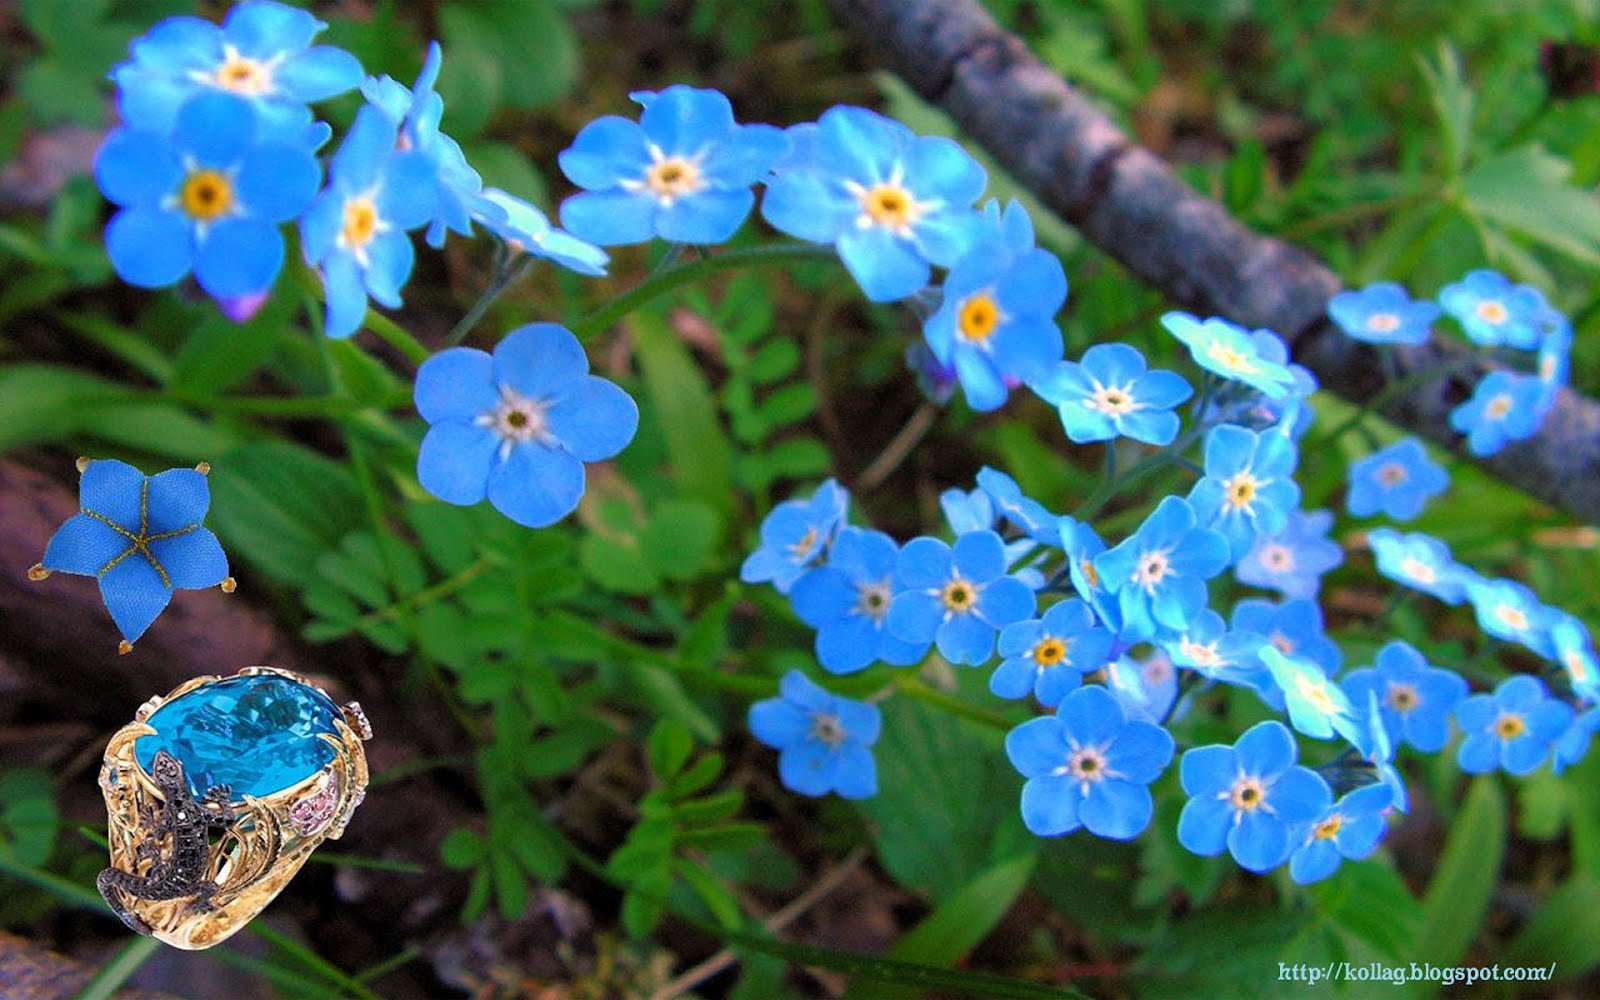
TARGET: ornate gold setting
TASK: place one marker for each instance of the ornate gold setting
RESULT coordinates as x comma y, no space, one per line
255,855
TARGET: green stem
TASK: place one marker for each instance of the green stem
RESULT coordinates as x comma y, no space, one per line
427,596
505,276
388,965
766,255
914,687
123,965
396,336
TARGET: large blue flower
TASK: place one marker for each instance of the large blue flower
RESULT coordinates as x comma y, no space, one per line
1420,562
355,233
1383,314
1504,407
1247,491
1398,480
207,198
1159,573
262,53
1508,610
1293,560
142,537
824,742
1110,394
518,427
957,597
891,201
1414,699
1089,766
996,325
525,229
1512,729
847,602
1493,311
1350,829
1293,627
795,536
1316,705
1249,799
419,109
683,172
1219,346
1048,656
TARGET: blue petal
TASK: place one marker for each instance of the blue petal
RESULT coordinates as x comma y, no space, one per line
346,295
1004,601
319,227
134,594
1038,746
1266,748
456,384
779,723
1142,752
980,556
610,218
965,638
1314,862
606,152
593,419
1050,805
390,257
136,168
985,390
366,146
177,498
1091,716
803,691
149,247
945,170
807,767
1299,795
746,156
706,217
238,257
263,29
114,490
845,645
410,193
215,129
1204,824
924,563
193,560
540,360
536,486
276,183
1157,427
855,774
915,617
454,461
319,73
886,267
1013,678
805,205
1117,810
1207,770
83,545
1258,842
682,119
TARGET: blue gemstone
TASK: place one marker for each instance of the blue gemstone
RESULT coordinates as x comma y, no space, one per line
258,734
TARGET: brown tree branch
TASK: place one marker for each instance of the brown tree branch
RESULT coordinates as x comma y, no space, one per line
1130,204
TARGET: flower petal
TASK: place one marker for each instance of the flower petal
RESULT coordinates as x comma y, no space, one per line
455,460
238,257
114,490
149,247
83,545
540,360
610,218
193,560
593,419
134,594
178,498
136,168
319,73
1050,805
536,486
1117,810
456,384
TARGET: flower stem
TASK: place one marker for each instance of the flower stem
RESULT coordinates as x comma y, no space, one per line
684,274
913,686
898,448
505,275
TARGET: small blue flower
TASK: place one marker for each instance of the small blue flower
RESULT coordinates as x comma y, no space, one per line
966,512
957,597
1211,649
1573,744
1022,511
1238,403
1348,830
891,201
1504,407
1294,628
795,536
1508,610
525,229
1219,346
1414,699
1110,394
262,54
518,426
1247,491
355,232
1512,729
824,742
1493,311
207,198
1317,706
1159,573
1088,766
1398,480
1048,656
1249,799
1008,231
1293,560
683,172
142,537
1574,650
1554,359
1083,546
847,602
996,325
1420,562
1379,750
1383,314
1146,688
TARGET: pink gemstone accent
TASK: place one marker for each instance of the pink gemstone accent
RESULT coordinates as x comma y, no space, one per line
312,814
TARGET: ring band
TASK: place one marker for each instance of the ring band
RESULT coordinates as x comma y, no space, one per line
218,792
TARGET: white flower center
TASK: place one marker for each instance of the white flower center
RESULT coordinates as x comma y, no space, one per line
1418,570
669,178
1112,400
1239,492
517,419
1277,558
240,74
1232,359
1152,569
826,729
1383,322
872,600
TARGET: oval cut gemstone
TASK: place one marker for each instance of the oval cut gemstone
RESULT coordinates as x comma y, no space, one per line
257,734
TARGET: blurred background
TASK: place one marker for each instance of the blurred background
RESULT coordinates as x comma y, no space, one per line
518,681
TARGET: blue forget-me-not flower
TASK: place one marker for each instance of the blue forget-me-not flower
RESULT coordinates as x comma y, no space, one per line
682,172
847,602
1504,407
1088,766
795,536
1420,562
525,229
1249,799
1398,480
1493,311
1293,560
1509,610
1348,830
142,537
1414,699
207,198
957,596
892,202
1574,650
1294,628
1248,490
1159,573
1021,510
1573,744
1109,394
824,742
518,426
1048,656
1511,729
1221,347
1316,705
1383,314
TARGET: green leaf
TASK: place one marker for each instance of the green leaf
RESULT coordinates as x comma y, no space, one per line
957,926
28,817
1369,902
727,837
280,506
218,354
504,166
710,809
668,748
1561,931
1526,190
702,459
724,908
680,538
461,848
617,564
1458,896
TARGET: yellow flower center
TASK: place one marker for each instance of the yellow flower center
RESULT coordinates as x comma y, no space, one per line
673,177
1049,652
1328,828
1247,794
1498,407
1509,726
1113,401
801,550
206,195
978,317
1317,694
1383,322
1201,654
1231,359
243,76
890,205
1241,491
958,597
1391,474
360,223
1492,311
1403,697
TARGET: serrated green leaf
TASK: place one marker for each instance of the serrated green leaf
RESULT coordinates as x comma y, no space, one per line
1526,190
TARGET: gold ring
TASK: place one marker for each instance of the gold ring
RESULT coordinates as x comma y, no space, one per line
216,795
